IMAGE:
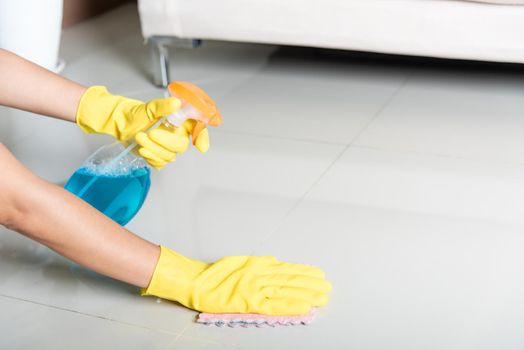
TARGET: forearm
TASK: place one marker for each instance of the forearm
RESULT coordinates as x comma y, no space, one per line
54,217
25,85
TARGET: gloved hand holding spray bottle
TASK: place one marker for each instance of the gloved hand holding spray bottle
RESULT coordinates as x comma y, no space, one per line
116,179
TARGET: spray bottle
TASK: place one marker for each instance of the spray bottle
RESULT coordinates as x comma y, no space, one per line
115,179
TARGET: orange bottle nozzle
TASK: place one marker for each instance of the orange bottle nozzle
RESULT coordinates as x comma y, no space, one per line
191,94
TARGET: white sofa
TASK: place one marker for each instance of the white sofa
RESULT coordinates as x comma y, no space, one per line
481,30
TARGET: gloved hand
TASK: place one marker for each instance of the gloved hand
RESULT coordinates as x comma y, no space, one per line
238,284
123,118
160,145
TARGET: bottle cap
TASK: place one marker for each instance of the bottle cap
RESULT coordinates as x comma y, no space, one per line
199,100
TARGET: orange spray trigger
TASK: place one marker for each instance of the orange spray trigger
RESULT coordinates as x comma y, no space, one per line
196,104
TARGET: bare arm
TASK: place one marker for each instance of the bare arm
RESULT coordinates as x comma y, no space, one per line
52,216
47,213
25,85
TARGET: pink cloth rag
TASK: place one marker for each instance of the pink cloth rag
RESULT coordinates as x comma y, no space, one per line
254,320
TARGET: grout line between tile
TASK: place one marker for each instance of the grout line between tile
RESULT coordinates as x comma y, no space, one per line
439,155
89,315
176,338
173,343
330,166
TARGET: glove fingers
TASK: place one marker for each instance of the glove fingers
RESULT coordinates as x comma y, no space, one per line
202,141
310,297
152,159
283,306
175,141
189,125
297,281
160,152
161,107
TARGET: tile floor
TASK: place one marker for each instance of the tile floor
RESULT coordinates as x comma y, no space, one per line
403,179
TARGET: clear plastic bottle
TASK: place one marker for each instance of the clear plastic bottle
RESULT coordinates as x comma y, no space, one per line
115,180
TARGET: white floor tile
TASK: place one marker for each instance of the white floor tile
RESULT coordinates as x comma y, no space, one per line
121,67
403,280
426,184
32,272
226,201
478,114
410,268
89,37
31,326
206,206
50,148
317,101
186,342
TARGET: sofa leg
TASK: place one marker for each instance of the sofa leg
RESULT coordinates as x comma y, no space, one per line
159,51
159,60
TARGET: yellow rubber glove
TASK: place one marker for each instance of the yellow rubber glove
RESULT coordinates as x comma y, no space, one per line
239,284
160,145
123,118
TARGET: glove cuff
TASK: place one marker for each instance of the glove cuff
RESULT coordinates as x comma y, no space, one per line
101,112
174,277
88,114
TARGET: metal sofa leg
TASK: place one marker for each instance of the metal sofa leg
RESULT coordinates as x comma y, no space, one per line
158,48
159,60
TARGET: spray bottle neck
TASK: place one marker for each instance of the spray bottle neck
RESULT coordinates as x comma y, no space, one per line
180,116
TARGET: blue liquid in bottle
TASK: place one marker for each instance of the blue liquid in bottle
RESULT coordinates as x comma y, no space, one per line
119,197
118,190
